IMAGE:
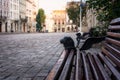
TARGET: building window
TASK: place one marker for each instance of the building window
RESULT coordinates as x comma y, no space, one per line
63,22
55,23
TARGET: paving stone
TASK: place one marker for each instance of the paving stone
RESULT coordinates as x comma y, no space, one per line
21,78
11,78
42,74
29,56
39,78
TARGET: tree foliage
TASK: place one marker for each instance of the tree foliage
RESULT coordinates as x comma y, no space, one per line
73,11
106,10
40,19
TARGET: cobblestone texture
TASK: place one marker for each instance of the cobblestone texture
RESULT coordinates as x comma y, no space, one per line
29,56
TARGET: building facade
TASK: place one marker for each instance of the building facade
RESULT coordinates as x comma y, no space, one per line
49,22
18,15
4,11
23,17
13,18
59,18
31,12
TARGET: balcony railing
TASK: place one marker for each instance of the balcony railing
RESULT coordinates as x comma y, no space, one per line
24,19
3,18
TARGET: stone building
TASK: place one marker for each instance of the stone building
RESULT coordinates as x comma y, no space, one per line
4,11
31,12
89,20
59,18
23,17
49,22
18,15
13,18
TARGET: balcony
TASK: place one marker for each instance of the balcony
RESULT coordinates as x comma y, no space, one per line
25,19
3,18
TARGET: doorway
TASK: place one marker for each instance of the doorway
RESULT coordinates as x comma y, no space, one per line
6,27
0,26
24,27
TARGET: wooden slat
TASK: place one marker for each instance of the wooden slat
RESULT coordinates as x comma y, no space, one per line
113,58
101,68
65,75
115,21
78,75
112,34
55,72
85,66
114,50
90,59
72,75
116,27
113,70
112,41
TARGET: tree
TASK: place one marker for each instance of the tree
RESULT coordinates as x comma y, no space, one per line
73,11
106,10
40,19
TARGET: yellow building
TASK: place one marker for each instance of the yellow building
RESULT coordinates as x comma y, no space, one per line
31,12
59,20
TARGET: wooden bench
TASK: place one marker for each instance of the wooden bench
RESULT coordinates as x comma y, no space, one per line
104,65
91,66
62,70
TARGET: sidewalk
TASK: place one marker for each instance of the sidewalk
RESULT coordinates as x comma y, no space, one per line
29,57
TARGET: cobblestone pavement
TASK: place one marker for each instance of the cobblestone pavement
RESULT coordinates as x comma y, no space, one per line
29,56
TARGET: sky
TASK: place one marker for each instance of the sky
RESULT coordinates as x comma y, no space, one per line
50,5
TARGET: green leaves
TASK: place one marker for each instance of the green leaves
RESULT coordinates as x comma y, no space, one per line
106,10
98,31
40,19
73,11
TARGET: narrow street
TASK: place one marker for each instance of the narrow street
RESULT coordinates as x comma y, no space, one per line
29,56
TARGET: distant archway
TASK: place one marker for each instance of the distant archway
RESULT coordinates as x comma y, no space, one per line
24,27
6,27
68,28
0,26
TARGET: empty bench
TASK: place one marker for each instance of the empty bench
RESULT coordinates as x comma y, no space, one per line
103,65
91,66
62,70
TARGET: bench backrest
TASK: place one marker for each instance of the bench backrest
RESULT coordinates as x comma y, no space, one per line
112,42
111,47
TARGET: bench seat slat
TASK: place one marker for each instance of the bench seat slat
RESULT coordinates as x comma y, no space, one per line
114,27
113,58
114,50
101,68
116,35
65,75
85,66
112,69
93,66
115,21
55,72
112,41
78,66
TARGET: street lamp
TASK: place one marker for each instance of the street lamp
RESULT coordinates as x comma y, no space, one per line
80,15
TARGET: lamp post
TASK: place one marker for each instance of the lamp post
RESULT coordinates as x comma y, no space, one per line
80,15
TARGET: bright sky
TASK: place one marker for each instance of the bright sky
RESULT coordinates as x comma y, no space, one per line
49,5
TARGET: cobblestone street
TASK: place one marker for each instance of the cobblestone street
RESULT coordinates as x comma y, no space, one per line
29,56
